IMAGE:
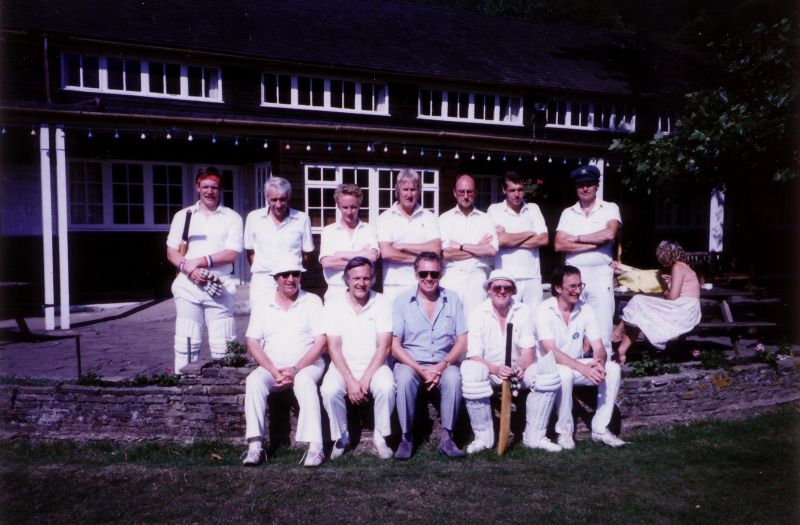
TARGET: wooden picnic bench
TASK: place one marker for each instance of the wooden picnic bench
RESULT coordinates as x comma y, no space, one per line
728,326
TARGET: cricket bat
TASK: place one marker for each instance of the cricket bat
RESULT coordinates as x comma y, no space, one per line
505,400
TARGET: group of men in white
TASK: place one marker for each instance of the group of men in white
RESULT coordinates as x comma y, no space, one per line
451,287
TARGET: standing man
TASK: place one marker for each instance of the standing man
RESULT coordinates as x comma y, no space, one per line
485,366
562,322
202,291
429,339
585,234
286,338
521,229
404,231
269,233
345,239
470,243
359,331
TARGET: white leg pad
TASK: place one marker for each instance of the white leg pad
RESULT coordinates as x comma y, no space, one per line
219,332
480,416
475,383
537,415
188,338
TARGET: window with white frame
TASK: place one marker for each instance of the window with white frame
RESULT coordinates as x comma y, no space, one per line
125,195
589,116
438,104
488,188
377,184
85,193
133,76
324,94
664,125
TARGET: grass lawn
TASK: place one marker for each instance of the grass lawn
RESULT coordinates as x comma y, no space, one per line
728,472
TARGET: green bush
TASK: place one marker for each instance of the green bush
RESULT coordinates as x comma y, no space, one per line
235,354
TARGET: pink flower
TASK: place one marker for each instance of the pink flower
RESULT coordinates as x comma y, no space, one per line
539,181
169,370
759,347
695,353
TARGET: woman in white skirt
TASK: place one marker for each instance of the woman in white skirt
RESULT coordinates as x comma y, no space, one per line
663,319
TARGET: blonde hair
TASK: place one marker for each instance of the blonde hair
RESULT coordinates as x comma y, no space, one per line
669,252
347,189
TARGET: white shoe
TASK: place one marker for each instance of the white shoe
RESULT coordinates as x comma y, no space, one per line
339,448
313,457
608,438
566,442
476,446
381,448
253,457
543,444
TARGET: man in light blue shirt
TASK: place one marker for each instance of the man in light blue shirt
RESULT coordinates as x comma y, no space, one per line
429,340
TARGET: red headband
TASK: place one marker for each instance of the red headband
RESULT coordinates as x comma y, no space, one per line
201,178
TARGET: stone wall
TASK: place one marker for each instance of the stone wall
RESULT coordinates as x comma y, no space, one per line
208,403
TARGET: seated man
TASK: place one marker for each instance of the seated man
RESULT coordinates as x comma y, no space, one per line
561,324
286,338
359,331
485,365
430,336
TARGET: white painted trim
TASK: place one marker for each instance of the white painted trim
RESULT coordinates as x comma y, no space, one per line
326,96
63,228
47,228
716,221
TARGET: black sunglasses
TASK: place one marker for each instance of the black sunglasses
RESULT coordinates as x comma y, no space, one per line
433,275
285,275
497,288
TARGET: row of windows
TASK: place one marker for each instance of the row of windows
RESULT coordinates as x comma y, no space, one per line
377,184
130,194
154,78
150,78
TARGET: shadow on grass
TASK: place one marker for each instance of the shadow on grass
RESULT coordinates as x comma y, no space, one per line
727,472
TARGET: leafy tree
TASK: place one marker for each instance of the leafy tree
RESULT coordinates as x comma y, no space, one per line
743,125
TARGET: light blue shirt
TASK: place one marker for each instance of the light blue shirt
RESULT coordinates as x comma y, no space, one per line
426,341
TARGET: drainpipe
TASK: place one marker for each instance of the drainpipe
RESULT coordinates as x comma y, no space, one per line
46,72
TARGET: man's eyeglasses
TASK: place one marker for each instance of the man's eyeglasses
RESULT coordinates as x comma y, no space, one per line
286,275
575,287
433,275
498,288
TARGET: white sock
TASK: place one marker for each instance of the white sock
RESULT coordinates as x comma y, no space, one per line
254,445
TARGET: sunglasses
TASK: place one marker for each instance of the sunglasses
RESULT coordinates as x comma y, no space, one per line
285,275
502,288
432,275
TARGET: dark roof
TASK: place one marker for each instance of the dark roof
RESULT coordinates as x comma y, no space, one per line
372,35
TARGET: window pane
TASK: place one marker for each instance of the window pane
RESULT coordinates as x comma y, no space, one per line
425,102
367,103
350,95
329,174
304,91
156,77
133,75
349,176
72,70
173,73
114,66
91,71
137,214
284,89
195,75
336,93
436,103
318,92
211,90
316,218
121,215
452,104
428,177
159,174
314,174
314,197
270,88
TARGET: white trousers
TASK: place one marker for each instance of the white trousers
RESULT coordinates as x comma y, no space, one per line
334,391
599,293
262,287
194,308
260,384
606,396
529,291
468,284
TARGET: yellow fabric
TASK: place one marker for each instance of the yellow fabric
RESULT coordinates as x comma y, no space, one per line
636,280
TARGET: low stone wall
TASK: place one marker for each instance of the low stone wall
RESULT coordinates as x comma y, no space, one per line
208,403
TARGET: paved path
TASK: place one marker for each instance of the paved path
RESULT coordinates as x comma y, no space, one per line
137,343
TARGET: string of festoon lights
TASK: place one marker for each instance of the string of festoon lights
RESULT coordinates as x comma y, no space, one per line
322,146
